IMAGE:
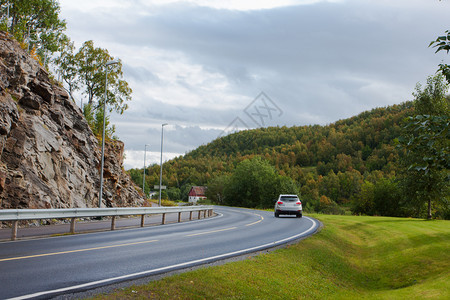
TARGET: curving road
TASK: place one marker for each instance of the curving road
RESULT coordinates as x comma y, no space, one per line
47,267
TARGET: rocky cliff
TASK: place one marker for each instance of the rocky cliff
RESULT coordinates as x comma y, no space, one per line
49,157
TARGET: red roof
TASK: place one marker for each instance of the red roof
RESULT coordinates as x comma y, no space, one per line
198,191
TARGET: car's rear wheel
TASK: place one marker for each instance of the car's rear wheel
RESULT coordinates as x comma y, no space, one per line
299,215
277,215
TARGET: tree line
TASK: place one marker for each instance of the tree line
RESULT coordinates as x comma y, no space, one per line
351,165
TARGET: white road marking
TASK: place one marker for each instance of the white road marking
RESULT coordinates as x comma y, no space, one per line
77,250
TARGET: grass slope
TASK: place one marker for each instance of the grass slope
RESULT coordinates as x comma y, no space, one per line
352,257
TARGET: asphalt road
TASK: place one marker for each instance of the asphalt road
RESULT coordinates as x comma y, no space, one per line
43,268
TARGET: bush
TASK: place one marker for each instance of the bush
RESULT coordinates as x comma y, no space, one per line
382,198
255,184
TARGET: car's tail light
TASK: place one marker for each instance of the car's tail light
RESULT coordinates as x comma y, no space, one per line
298,203
280,202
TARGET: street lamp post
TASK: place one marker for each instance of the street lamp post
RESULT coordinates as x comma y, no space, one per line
160,172
8,22
100,196
143,180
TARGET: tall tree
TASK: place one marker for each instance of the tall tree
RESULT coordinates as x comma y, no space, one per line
255,183
442,43
34,22
91,69
427,143
432,100
85,71
67,68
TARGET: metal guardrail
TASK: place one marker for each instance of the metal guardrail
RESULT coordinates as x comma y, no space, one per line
16,215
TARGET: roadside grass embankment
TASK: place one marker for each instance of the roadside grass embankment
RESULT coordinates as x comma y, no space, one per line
351,257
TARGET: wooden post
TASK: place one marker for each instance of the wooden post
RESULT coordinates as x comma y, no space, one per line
142,220
179,217
72,225
113,223
199,214
163,218
190,215
14,230
204,213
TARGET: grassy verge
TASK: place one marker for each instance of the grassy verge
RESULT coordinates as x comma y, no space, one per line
352,257
164,202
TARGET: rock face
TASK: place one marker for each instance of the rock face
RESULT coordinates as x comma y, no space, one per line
49,157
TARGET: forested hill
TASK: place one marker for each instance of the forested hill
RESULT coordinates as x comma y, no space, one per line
331,161
361,136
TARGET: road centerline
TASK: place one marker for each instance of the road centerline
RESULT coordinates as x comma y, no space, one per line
226,229
213,231
254,223
75,251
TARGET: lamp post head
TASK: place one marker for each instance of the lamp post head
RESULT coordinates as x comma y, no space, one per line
164,124
112,62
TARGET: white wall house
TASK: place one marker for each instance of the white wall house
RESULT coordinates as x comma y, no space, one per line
197,193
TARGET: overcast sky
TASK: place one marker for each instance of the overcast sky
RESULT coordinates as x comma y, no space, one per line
210,67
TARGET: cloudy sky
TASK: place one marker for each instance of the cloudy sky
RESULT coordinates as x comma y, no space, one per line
210,67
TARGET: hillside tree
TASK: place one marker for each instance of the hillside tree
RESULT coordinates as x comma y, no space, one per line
90,62
442,43
35,23
66,67
85,71
427,143
255,183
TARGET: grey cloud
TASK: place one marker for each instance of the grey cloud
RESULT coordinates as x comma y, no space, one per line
135,128
141,74
323,38
176,140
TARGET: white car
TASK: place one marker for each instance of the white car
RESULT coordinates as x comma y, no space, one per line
288,205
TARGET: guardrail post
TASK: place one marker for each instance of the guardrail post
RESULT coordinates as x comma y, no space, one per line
179,217
163,218
190,215
199,214
142,220
113,223
72,225
14,230
204,213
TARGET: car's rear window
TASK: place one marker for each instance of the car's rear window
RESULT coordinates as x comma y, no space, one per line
289,199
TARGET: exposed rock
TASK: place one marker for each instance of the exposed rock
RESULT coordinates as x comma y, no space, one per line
49,157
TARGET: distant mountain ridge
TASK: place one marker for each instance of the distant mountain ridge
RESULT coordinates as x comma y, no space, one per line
371,128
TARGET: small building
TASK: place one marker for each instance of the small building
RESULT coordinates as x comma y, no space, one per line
197,193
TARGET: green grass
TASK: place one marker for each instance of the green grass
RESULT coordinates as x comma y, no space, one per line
352,257
164,202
